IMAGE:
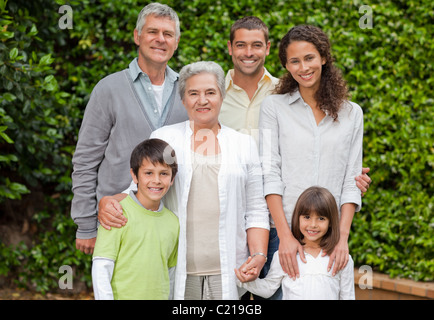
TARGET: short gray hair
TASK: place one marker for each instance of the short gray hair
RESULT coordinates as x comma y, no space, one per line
159,10
196,68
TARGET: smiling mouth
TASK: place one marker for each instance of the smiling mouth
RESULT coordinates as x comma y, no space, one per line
312,233
155,189
203,109
307,76
248,61
159,49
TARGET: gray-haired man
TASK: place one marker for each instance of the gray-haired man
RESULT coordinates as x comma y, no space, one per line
123,110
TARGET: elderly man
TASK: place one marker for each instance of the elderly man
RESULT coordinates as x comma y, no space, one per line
123,110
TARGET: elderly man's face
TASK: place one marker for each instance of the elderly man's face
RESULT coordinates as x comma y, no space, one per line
157,42
203,100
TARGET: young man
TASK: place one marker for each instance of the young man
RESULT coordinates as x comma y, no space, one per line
247,84
124,108
133,262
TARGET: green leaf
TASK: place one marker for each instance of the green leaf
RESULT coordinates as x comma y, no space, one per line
46,60
13,53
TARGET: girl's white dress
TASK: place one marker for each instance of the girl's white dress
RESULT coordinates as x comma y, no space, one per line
314,283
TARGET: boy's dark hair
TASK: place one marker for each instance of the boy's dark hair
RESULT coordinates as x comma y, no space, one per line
155,151
322,202
249,23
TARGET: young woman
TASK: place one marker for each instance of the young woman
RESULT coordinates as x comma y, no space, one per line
310,135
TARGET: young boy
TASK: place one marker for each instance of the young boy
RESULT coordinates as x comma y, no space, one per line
133,262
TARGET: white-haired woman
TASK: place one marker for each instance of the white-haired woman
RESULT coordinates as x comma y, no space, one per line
217,194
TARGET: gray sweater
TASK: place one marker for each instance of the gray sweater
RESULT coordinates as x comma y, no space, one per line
114,122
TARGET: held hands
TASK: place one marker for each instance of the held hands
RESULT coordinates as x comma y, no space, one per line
250,270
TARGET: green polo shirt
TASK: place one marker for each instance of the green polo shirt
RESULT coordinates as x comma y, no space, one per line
143,251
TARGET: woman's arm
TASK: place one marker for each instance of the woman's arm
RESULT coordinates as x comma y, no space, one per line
288,245
263,287
340,253
269,145
257,239
257,216
351,200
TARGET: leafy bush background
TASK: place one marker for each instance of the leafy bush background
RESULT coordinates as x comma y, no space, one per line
47,75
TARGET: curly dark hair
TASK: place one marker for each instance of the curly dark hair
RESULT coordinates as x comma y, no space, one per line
332,91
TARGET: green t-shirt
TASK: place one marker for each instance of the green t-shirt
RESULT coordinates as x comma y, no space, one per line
143,251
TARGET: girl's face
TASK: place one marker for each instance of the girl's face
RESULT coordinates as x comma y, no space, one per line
313,227
304,62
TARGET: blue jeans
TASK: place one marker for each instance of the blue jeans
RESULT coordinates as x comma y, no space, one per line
273,246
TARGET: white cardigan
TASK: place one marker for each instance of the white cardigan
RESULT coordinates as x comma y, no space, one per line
242,202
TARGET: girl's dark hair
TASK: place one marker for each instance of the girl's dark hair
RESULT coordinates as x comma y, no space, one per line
155,151
332,91
321,201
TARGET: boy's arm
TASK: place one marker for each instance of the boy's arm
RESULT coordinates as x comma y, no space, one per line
172,282
102,272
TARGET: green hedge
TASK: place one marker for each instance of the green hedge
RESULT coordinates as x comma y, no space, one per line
48,74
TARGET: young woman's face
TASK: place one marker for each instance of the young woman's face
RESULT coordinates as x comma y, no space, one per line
313,227
304,62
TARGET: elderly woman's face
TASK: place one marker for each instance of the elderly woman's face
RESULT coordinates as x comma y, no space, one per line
202,99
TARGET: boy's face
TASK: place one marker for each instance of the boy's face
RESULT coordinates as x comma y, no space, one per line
153,182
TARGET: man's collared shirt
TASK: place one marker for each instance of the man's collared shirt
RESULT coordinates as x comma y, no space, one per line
238,111
146,94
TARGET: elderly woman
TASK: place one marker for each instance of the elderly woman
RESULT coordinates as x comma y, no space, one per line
217,194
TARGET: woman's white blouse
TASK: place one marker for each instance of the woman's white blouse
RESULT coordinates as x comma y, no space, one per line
314,283
297,153
242,202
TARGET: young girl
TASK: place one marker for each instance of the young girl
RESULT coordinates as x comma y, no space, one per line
310,135
315,225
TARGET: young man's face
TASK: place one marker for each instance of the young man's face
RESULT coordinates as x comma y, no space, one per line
248,51
153,182
157,41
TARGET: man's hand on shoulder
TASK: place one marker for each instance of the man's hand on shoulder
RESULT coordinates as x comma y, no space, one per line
110,211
